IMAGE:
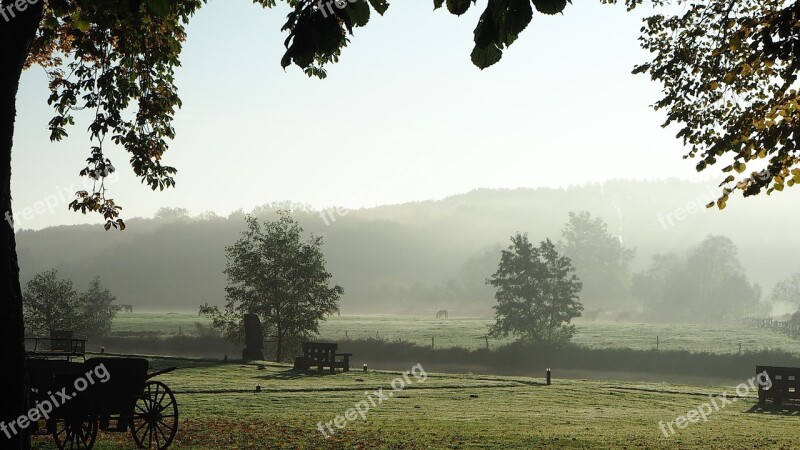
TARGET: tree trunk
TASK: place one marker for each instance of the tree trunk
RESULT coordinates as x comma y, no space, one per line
16,35
279,345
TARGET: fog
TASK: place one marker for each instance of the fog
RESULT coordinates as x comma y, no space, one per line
416,258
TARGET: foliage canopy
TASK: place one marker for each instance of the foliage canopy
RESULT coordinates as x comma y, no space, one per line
537,293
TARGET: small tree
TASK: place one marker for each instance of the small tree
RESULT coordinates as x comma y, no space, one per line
537,293
272,273
99,309
51,304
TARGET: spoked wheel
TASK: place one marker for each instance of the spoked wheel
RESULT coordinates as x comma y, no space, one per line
155,417
74,434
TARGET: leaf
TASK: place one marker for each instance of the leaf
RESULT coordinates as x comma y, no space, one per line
518,17
359,13
158,7
550,6
485,57
380,5
486,33
458,7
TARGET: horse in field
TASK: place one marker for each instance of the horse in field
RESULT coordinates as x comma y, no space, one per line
126,308
442,314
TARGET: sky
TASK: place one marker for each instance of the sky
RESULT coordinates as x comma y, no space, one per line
404,116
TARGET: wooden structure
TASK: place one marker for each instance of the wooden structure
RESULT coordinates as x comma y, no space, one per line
785,384
323,354
60,344
110,394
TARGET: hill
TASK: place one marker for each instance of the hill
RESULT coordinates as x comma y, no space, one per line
415,257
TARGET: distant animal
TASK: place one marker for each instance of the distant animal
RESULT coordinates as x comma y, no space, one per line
591,316
624,316
338,313
126,308
442,314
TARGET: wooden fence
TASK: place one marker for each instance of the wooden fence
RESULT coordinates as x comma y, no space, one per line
790,329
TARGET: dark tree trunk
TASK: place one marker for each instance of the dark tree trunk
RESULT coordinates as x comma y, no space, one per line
279,344
16,35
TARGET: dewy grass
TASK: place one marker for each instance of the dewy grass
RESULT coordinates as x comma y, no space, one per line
446,412
468,332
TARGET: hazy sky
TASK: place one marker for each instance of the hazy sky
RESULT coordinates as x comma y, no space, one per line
404,116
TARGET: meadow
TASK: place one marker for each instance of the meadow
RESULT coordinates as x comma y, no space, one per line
469,332
262,405
221,409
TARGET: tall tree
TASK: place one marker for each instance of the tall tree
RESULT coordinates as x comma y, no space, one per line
99,309
601,261
52,304
273,273
116,59
537,293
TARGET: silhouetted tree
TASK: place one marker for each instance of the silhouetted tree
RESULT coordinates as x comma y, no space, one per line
52,304
99,309
537,293
601,261
273,273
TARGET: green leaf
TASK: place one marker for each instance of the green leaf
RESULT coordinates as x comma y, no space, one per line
380,5
518,17
158,7
485,57
550,6
486,33
358,12
458,7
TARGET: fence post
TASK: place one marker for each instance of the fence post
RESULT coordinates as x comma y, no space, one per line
345,335
487,342
656,342
433,342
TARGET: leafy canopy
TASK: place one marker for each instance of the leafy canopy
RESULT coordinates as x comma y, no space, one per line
728,70
729,74
537,293
273,273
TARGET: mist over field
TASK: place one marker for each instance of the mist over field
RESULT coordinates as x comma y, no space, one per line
416,258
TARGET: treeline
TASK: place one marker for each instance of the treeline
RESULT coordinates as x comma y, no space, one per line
418,258
52,304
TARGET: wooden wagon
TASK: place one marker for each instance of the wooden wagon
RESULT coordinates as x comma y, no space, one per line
110,394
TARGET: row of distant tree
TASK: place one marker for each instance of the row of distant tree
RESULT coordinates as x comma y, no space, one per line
51,303
538,290
707,283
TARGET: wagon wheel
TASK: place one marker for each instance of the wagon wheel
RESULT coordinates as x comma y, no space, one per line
75,433
155,417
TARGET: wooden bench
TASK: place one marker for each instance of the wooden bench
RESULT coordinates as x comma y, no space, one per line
60,344
323,354
785,384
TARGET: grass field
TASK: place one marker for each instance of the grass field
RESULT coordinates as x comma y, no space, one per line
468,332
220,409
